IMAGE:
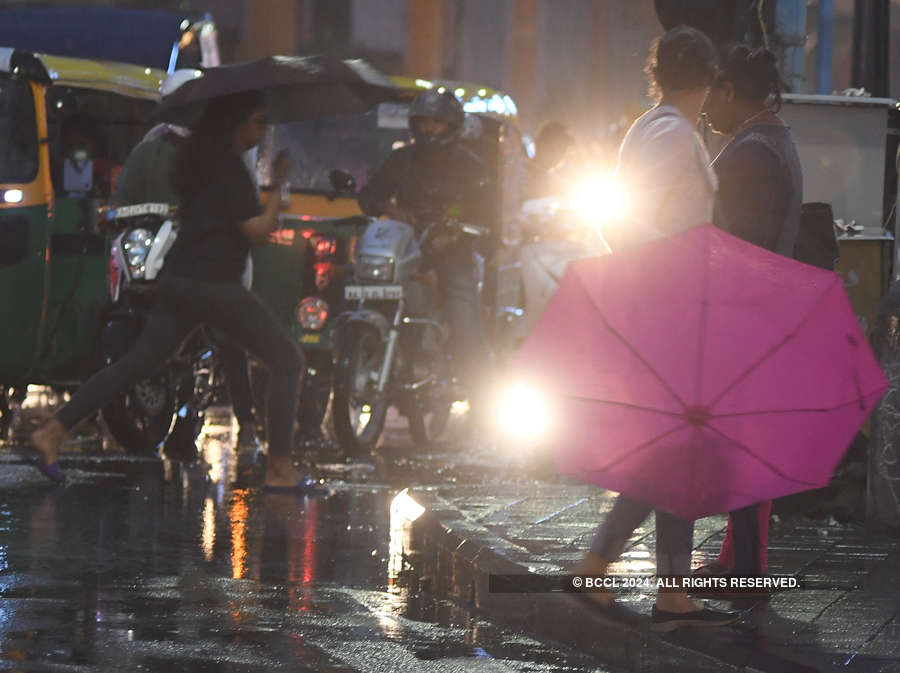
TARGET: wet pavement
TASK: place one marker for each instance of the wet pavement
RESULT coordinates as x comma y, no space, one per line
847,616
153,565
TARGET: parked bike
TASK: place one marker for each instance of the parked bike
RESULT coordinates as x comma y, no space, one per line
169,407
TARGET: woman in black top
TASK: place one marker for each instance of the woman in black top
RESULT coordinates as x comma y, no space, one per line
200,283
758,200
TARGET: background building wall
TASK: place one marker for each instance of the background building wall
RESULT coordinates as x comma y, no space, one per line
580,61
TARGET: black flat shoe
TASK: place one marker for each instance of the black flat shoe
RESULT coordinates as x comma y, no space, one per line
612,610
662,620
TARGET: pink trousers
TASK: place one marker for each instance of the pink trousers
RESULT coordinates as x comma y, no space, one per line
726,555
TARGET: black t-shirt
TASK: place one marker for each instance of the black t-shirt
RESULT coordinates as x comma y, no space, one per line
210,245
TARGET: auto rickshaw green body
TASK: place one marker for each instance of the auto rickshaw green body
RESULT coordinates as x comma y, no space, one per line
53,264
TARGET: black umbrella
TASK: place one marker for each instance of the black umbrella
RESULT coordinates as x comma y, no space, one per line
296,88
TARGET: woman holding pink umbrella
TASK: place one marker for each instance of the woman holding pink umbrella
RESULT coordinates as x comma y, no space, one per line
665,167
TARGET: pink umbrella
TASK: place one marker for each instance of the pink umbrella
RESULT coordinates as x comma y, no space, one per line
700,373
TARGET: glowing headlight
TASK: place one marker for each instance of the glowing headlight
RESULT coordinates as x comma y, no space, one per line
312,313
136,246
601,197
524,414
13,196
374,267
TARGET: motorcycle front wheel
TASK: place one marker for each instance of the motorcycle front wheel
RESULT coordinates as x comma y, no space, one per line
359,410
141,418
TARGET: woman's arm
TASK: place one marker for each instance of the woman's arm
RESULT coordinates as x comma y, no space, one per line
257,229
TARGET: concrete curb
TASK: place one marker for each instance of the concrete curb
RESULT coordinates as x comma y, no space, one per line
450,564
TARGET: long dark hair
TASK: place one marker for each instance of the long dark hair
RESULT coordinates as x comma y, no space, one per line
683,58
753,73
211,138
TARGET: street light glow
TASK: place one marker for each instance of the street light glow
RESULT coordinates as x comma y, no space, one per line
523,413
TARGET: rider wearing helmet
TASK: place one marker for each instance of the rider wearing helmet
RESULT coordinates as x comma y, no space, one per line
423,183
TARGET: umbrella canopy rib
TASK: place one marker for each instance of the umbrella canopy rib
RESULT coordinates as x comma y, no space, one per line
618,335
703,320
641,447
750,452
799,410
774,349
626,405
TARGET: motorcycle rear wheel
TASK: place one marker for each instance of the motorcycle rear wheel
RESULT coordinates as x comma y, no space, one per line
359,410
141,418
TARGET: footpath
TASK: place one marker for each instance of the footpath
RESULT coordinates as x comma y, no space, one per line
491,521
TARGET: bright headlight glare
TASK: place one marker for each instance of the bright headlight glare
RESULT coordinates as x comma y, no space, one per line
601,197
312,313
136,246
374,268
13,196
524,413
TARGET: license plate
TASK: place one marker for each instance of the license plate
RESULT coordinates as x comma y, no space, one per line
373,292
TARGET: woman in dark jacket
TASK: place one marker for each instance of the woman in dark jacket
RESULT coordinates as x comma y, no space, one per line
201,283
759,197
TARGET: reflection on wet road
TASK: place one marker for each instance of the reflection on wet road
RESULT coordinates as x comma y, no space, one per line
145,565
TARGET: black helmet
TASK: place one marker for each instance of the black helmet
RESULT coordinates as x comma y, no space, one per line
434,105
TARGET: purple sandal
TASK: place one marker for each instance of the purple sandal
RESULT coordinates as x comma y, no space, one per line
50,470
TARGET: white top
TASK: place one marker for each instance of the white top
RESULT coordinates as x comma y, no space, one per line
664,168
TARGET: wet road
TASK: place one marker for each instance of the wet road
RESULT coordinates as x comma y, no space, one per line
149,565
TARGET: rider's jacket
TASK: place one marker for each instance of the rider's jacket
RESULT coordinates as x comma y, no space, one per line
430,184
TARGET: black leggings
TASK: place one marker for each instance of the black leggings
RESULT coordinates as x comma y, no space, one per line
182,304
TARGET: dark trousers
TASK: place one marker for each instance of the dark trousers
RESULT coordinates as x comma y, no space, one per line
237,378
461,304
674,536
744,522
181,305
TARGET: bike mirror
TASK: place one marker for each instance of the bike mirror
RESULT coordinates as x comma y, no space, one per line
342,182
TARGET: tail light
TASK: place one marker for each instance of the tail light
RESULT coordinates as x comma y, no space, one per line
312,313
323,274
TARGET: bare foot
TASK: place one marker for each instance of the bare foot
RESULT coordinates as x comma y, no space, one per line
280,472
46,440
596,566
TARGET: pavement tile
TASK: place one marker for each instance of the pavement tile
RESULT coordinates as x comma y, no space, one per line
831,624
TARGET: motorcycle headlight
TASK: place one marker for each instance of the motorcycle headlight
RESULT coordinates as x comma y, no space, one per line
374,267
312,313
136,246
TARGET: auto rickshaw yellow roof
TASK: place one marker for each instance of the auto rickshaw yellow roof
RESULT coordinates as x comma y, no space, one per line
476,98
122,78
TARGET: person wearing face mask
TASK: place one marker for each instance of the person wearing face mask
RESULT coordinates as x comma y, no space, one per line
423,183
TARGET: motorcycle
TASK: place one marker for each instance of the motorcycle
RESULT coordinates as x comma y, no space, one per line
392,348
170,406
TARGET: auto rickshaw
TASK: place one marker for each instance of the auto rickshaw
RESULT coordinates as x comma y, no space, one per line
300,273
66,126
